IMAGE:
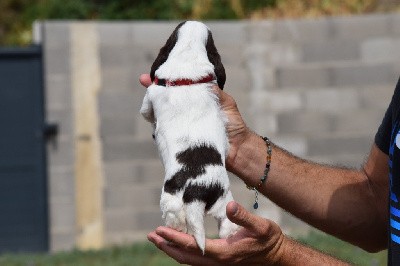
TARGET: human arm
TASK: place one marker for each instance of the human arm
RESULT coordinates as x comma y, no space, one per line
349,204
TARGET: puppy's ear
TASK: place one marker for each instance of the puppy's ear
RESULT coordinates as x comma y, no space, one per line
215,59
164,51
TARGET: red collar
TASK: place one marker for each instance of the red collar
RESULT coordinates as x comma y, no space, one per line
182,82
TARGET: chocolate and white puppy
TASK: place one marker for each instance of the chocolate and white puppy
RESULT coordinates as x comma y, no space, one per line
189,129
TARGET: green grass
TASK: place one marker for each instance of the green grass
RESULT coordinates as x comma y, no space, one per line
145,254
140,254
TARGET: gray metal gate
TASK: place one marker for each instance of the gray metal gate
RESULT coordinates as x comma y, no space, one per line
23,193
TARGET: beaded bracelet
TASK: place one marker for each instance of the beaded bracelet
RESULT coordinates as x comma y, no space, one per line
266,170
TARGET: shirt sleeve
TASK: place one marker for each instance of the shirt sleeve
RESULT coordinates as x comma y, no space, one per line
383,136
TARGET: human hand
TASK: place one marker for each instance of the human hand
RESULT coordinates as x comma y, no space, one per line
259,242
145,80
238,132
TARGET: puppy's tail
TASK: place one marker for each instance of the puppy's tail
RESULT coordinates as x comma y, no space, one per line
195,223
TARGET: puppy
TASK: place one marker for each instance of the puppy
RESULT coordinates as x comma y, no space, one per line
189,129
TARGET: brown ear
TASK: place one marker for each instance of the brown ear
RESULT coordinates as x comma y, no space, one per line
215,59
164,51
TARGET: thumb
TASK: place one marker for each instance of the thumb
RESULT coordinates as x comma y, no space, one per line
240,216
225,100
145,80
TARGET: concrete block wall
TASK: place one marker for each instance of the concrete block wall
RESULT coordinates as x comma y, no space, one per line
55,38
318,88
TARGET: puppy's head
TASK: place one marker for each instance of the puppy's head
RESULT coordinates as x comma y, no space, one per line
189,51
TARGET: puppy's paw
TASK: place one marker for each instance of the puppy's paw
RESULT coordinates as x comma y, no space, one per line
227,228
175,220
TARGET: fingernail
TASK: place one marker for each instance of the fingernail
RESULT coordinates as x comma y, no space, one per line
235,208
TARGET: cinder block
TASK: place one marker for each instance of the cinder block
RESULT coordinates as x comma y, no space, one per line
283,53
57,35
62,241
62,153
126,237
61,182
136,196
303,76
361,27
152,34
231,56
228,32
150,172
384,49
58,92
394,24
62,212
118,103
63,118
116,126
237,84
144,129
279,101
264,124
118,78
120,173
365,121
149,220
58,60
127,149
295,144
146,57
303,31
310,123
119,220
339,145
134,173
121,56
115,33
241,194
330,50
363,75
260,32
332,100
377,97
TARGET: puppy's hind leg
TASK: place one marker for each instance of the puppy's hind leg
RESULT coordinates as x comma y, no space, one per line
226,227
195,222
173,211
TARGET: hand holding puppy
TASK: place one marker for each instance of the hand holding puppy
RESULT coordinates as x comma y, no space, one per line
257,243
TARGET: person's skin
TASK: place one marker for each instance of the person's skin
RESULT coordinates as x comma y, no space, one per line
349,204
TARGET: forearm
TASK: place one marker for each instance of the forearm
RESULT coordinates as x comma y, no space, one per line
337,201
297,254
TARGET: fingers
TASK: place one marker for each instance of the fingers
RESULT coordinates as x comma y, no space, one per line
240,216
180,239
181,255
188,243
145,80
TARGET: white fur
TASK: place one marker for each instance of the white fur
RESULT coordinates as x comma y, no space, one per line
184,116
